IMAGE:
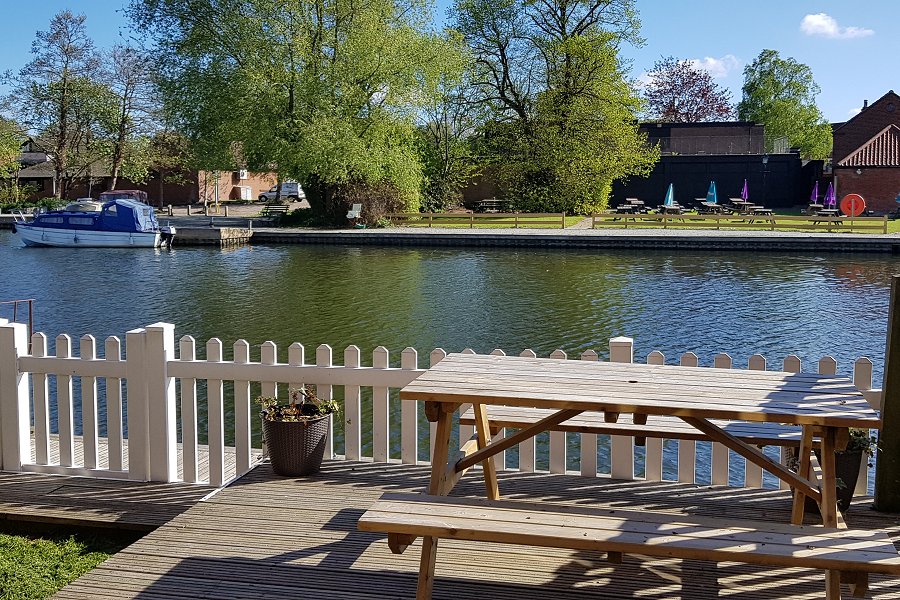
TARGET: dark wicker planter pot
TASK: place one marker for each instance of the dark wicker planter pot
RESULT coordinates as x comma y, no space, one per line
296,448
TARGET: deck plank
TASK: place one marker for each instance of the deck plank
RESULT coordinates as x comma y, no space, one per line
84,501
266,536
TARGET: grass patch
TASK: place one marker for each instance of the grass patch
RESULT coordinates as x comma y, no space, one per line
37,562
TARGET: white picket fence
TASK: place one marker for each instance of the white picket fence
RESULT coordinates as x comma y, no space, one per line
156,380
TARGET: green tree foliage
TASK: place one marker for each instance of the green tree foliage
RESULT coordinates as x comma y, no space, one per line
325,92
781,93
11,139
448,131
563,122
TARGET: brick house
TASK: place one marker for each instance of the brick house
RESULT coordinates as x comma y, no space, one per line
193,187
866,154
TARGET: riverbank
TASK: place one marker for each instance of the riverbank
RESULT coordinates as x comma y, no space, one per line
217,230
587,239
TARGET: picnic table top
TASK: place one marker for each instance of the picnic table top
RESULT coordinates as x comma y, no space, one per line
737,394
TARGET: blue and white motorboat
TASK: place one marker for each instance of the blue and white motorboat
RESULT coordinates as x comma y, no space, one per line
119,219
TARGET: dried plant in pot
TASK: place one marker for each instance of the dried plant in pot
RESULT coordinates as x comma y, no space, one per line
295,431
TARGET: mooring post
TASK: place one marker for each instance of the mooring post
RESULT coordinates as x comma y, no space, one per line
887,467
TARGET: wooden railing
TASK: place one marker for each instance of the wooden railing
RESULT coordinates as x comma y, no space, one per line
158,382
514,220
770,222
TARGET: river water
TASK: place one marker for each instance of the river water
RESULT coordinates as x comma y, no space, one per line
707,302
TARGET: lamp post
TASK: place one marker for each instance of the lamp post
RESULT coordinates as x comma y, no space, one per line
765,161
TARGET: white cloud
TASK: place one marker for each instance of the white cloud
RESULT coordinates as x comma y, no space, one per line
826,26
643,80
853,112
716,67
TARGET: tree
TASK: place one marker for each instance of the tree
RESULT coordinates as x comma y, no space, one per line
678,92
563,125
448,131
325,92
11,139
128,74
170,158
781,94
58,100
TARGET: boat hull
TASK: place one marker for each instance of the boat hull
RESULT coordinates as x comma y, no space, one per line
85,238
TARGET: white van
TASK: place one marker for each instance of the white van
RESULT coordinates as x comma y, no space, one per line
290,191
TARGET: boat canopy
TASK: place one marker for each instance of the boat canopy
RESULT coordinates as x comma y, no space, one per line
127,215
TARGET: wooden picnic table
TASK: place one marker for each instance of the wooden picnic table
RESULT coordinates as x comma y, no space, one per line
824,405
742,206
670,209
712,208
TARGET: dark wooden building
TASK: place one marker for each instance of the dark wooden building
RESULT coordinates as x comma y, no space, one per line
693,154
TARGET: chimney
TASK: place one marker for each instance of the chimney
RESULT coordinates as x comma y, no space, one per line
865,104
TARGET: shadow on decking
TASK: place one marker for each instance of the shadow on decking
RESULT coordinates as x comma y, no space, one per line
271,537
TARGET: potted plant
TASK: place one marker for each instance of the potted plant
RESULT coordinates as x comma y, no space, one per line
295,432
847,466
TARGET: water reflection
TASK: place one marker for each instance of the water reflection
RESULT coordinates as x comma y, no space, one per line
741,303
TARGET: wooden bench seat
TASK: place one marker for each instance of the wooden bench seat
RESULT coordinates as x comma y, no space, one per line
671,428
853,553
274,210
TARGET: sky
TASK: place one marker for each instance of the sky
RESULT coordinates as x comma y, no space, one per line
848,45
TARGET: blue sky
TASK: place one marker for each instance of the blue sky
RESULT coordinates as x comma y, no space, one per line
848,45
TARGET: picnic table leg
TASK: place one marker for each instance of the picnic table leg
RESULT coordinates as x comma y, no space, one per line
806,442
828,507
483,430
829,479
437,486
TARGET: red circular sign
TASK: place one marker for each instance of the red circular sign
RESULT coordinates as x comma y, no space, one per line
853,205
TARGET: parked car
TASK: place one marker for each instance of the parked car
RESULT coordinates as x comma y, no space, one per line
290,191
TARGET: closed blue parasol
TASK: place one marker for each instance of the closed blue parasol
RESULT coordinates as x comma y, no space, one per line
814,197
670,196
711,195
744,192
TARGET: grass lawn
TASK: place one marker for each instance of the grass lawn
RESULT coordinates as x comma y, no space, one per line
36,565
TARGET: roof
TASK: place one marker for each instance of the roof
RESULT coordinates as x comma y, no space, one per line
37,171
882,150
889,97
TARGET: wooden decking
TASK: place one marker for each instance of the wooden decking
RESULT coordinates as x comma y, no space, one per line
266,536
90,502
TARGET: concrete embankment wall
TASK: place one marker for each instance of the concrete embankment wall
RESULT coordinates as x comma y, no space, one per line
588,239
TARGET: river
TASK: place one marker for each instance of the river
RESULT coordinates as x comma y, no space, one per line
741,303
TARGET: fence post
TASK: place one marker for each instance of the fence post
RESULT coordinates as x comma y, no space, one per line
887,465
621,350
137,406
15,418
621,448
160,349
